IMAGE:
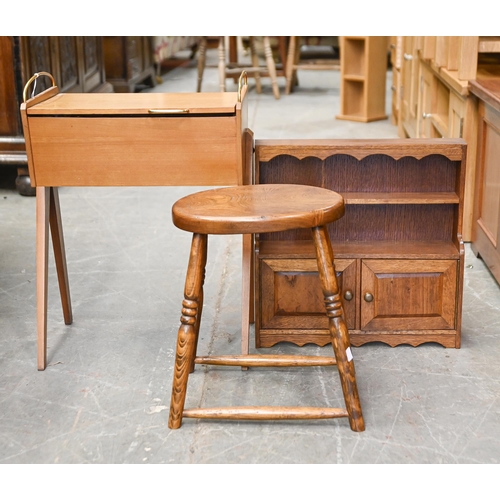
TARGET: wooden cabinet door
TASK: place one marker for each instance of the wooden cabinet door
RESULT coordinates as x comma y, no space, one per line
291,295
408,294
486,228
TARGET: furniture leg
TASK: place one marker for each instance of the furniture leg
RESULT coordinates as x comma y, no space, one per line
56,230
202,53
246,295
202,264
283,51
255,64
271,67
222,64
42,251
289,64
337,326
187,334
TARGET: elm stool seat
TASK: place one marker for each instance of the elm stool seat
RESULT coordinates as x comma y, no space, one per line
249,210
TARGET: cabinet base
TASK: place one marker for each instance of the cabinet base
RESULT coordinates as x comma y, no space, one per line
364,119
269,338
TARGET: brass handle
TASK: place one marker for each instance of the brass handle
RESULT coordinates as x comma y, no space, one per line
168,111
348,295
368,297
407,57
32,79
243,76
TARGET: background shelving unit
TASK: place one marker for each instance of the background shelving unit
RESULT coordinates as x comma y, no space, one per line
363,67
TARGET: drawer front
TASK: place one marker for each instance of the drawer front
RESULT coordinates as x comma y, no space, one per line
408,294
136,151
290,295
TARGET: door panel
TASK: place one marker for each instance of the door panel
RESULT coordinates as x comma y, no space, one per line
291,295
408,294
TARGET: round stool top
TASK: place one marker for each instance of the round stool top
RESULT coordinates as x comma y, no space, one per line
261,208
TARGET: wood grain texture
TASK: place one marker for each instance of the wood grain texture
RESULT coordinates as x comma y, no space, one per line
256,209
403,203
246,210
338,329
265,413
97,140
135,104
42,271
486,228
358,148
56,229
275,360
188,331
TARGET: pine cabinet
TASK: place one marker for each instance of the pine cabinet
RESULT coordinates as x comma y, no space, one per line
398,249
486,228
435,96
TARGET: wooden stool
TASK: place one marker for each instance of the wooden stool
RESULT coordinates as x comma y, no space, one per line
249,210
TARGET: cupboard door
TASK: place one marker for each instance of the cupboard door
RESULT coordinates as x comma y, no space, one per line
408,294
291,295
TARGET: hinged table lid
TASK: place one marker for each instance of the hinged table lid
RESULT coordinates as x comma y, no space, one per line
137,104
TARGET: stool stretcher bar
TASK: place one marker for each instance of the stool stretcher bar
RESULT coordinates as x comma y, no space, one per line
265,413
276,360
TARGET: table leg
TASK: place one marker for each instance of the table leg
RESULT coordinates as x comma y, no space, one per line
48,214
42,250
60,254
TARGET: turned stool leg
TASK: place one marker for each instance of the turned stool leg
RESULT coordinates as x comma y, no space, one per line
291,61
222,64
255,63
337,326
187,337
202,51
271,67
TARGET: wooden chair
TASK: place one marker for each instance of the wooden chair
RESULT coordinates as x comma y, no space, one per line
249,210
295,61
230,69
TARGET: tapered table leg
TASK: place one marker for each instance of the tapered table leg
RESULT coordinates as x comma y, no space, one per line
56,231
42,251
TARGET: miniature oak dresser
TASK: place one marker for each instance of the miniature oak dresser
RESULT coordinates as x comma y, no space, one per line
398,249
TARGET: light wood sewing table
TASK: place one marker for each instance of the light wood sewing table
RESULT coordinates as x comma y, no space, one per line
142,139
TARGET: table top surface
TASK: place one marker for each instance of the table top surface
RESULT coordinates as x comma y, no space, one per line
137,104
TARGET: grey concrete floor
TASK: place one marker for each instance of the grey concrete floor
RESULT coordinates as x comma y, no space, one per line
104,396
